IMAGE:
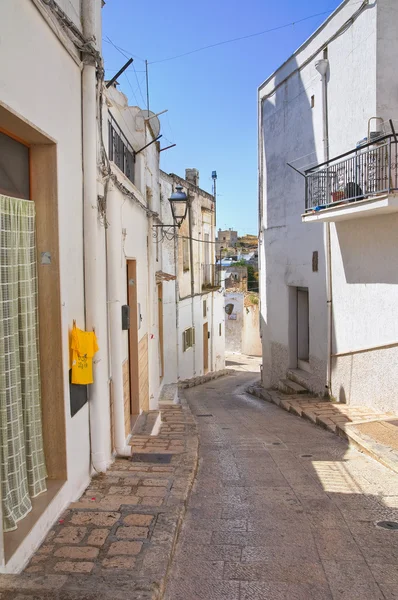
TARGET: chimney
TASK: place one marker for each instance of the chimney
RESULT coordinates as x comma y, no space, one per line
192,175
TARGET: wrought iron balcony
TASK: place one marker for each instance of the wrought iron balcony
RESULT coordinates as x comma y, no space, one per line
367,173
211,277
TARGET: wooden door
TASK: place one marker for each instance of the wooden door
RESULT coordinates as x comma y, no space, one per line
205,347
133,338
160,324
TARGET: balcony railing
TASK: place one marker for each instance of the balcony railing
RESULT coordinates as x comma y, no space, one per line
211,276
363,173
120,150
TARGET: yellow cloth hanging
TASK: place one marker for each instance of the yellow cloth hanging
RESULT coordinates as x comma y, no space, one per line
84,346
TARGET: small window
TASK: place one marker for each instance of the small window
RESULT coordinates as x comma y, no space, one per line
204,309
325,52
312,101
220,329
188,338
14,168
185,254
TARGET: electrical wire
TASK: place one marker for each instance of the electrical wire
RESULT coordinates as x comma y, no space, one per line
109,41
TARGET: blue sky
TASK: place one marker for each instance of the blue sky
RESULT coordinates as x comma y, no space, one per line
211,96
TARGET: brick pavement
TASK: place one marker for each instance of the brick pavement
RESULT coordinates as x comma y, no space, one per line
281,509
117,540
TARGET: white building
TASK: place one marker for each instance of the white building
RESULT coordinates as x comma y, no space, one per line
197,300
42,74
328,244
80,198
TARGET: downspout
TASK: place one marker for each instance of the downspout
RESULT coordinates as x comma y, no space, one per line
177,300
192,280
114,249
98,397
322,67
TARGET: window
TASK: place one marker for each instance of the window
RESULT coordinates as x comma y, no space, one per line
220,329
312,101
120,150
188,338
185,254
204,309
14,168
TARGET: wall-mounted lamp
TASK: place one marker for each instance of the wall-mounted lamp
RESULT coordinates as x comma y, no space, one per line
179,208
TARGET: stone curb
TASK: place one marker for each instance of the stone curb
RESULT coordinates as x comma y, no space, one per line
190,463
344,429
188,383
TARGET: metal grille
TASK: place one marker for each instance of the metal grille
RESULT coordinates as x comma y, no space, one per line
356,175
120,150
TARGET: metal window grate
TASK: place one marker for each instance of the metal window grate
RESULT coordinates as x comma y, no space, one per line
120,150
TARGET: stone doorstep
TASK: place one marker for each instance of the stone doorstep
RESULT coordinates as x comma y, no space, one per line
337,419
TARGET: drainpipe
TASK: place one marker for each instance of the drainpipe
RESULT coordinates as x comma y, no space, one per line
98,391
114,247
177,299
192,280
322,68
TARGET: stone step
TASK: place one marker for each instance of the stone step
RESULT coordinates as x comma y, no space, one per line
299,376
169,394
145,423
287,386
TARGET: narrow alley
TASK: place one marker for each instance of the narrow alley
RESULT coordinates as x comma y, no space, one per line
281,509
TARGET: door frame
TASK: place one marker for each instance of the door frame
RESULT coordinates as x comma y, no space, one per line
131,269
160,326
205,347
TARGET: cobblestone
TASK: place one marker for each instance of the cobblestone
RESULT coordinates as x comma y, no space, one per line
117,541
280,509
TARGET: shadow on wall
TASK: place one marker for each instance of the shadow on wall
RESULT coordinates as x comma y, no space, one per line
286,260
366,254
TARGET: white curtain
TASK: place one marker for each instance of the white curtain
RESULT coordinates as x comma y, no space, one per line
22,465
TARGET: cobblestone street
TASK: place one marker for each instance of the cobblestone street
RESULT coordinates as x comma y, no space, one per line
281,509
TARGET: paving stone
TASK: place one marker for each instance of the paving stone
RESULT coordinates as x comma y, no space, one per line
95,518
98,537
147,491
71,535
151,501
155,482
82,552
119,562
115,501
131,533
138,520
74,567
129,548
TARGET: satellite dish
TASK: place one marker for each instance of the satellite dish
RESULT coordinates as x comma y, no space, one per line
147,116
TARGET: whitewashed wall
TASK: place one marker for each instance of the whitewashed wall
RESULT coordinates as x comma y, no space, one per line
42,85
360,85
292,132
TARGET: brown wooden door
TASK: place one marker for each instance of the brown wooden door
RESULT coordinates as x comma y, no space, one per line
205,347
133,338
160,324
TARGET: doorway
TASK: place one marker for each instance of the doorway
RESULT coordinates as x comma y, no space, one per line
205,347
133,340
160,324
303,329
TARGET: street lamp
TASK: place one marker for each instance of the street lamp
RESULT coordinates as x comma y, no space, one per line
179,205
179,208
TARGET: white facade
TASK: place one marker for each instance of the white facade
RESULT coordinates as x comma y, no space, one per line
360,43
242,325
40,89
199,299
